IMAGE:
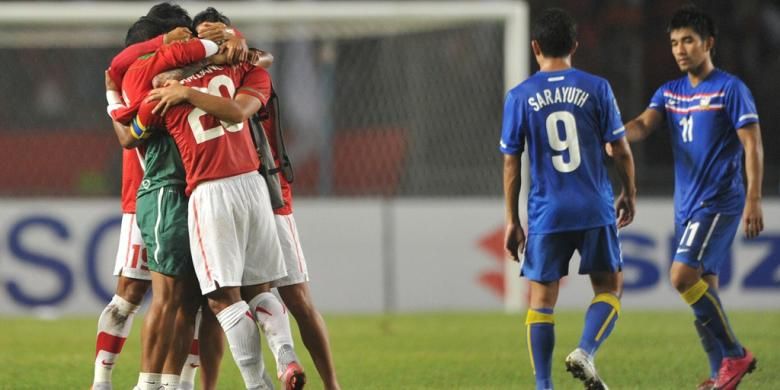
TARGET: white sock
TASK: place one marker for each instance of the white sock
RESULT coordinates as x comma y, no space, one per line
241,331
169,381
114,326
187,381
272,317
148,381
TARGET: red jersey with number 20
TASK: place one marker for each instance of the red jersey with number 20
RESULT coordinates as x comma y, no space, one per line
212,149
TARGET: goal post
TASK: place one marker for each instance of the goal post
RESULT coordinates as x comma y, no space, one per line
82,34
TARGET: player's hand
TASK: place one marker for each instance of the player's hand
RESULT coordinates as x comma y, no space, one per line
110,84
177,34
753,218
514,240
625,206
214,31
170,95
608,149
235,50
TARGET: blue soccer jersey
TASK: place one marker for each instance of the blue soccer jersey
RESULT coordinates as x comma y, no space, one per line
707,152
565,118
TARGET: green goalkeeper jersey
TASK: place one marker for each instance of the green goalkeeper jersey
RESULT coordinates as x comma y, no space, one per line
162,165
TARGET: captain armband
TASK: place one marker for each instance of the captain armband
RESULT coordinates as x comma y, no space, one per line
138,130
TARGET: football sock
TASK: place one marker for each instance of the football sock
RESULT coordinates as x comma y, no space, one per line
187,380
711,347
169,381
709,311
600,319
114,326
273,320
148,381
541,341
244,341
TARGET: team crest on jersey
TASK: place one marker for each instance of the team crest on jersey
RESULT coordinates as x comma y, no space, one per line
705,101
146,183
672,102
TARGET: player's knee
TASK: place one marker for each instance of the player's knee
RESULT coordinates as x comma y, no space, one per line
297,301
680,281
133,290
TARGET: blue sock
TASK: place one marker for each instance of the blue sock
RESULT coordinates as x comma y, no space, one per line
709,311
599,321
541,341
711,348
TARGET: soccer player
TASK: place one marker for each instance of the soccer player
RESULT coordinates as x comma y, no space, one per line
712,118
293,288
115,322
564,117
233,237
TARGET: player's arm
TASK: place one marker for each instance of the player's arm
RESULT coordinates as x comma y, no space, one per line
640,127
625,206
124,135
752,217
122,61
514,235
225,109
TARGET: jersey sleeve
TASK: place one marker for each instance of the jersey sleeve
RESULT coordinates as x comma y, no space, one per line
126,57
512,128
183,53
657,102
611,123
256,83
740,106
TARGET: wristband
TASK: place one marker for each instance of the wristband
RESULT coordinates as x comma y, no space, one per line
113,97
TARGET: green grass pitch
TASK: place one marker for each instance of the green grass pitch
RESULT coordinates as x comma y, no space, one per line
647,350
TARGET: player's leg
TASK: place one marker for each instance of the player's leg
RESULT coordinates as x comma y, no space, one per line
221,219
240,329
314,333
545,262
192,362
600,258
540,323
271,316
702,248
162,219
116,319
295,293
710,344
212,348
182,332
265,263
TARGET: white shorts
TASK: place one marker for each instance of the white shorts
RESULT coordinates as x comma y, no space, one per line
291,249
131,254
233,235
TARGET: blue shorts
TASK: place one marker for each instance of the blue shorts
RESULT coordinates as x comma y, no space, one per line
704,242
547,255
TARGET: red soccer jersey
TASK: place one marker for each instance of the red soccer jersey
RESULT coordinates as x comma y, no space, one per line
140,74
138,79
132,174
211,149
268,126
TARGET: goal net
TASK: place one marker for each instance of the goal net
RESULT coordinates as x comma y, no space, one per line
378,98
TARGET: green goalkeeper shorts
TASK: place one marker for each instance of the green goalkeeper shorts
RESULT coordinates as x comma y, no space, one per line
162,219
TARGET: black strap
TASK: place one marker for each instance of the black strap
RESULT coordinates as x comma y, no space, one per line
281,151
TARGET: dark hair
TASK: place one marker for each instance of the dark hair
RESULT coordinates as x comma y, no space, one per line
555,31
210,14
144,29
690,16
172,15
